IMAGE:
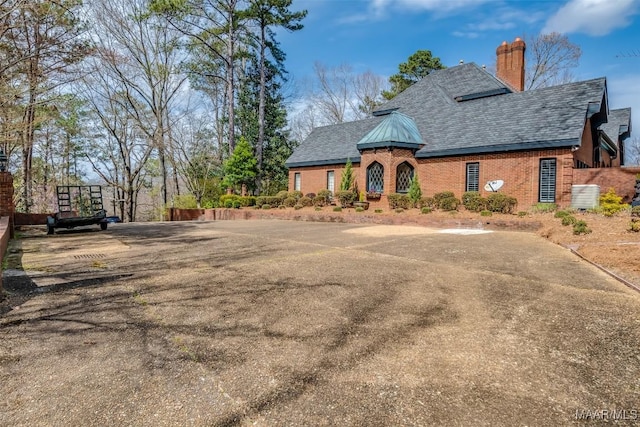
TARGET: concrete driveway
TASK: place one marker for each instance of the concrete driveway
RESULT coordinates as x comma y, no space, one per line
287,323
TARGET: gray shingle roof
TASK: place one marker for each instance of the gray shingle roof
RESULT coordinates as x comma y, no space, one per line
618,123
487,117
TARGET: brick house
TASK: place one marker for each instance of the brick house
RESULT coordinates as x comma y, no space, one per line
461,127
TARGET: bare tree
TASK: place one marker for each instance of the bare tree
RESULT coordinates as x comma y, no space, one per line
551,57
632,151
142,54
341,95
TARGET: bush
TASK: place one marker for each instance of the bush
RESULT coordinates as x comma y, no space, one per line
427,202
634,226
305,201
290,202
282,207
580,227
225,197
569,220
485,213
545,207
298,206
261,200
337,209
473,201
326,194
415,193
228,203
185,201
426,210
281,195
399,210
359,209
296,194
310,195
247,201
346,198
522,214
635,211
266,206
611,203
448,203
501,203
378,211
561,214
397,200
319,201
237,204
317,208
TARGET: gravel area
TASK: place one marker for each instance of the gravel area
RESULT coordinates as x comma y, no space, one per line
288,323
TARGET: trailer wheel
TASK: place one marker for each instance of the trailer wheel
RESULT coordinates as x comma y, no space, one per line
103,226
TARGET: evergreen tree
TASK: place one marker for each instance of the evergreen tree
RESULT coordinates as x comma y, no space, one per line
419,65
415,193
347,177
241,167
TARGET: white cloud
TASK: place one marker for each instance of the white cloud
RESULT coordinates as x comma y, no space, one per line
379,6
593,17
624,91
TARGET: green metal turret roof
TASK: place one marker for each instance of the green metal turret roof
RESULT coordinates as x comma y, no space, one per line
396,130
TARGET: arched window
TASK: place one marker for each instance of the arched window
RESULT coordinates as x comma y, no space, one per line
404,175
375,177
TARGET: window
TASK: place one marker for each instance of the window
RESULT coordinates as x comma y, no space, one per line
473,177
404,175
331,181
547,181
296,181
375,177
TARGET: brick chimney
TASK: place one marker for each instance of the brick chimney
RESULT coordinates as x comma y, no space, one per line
510,63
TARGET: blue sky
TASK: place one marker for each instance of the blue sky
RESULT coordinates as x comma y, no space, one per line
377,35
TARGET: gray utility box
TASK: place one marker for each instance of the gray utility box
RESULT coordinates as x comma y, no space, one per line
585,196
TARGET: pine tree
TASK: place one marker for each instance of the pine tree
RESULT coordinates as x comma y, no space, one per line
415,193
347,177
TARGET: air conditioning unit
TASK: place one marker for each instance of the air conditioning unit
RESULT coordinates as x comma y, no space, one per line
585,196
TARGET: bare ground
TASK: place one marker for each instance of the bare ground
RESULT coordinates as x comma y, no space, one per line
287,323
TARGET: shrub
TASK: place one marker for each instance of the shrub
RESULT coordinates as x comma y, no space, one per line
346,198
611,203
569,220
326,194
337,209
473,201
282,207
378,211
448,203
580,227
634,226
443,195
427,202
561,214
415,193
426,210
237,204
228,203
399,210
635,211
266,206
319,201
298,206
522,214
305,201
185,201
296,194
290,202
359,209
318,208
397,200
545,207
310,195
485,213
498,202
225,197
247,201
261,200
